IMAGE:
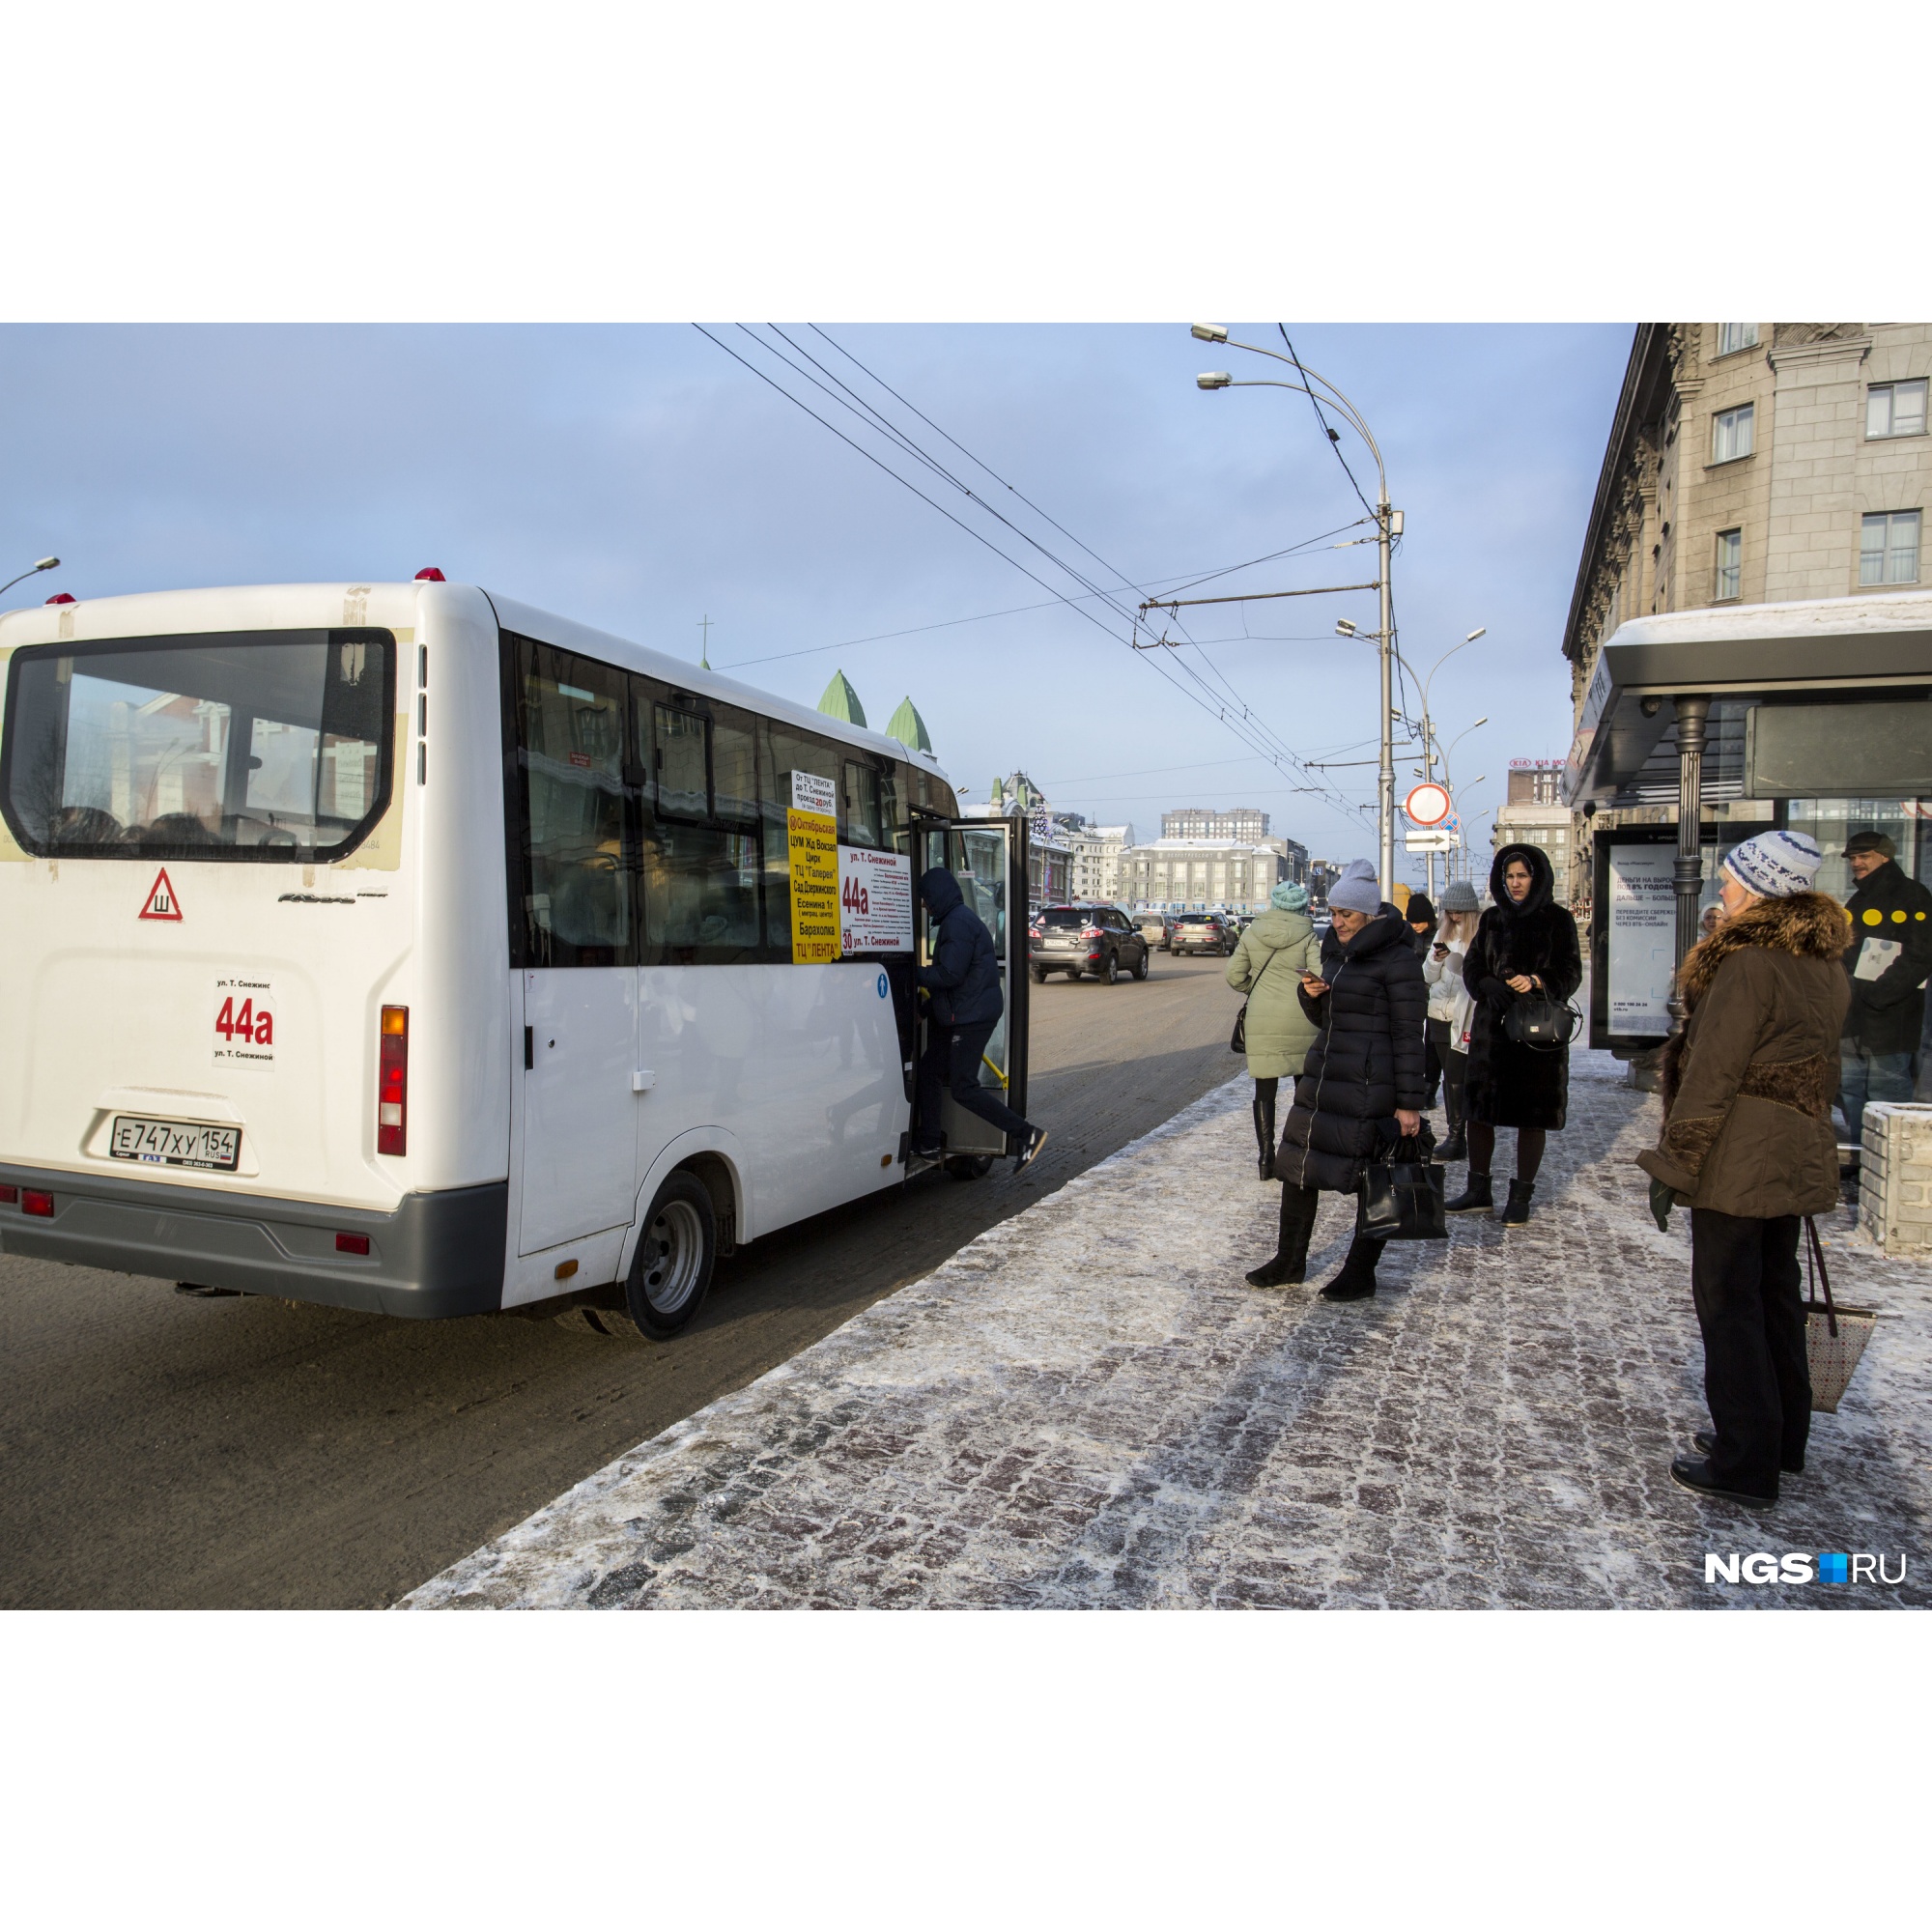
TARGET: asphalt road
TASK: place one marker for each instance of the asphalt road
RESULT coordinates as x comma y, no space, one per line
163,1452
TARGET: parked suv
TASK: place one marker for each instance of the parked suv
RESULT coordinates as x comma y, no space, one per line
1073,939
1157,928
1204,932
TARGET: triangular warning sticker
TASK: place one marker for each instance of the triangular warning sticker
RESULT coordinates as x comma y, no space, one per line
162,901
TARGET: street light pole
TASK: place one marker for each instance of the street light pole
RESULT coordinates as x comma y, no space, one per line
1387,641
1388,525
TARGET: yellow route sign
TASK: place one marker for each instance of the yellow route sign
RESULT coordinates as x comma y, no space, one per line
811,836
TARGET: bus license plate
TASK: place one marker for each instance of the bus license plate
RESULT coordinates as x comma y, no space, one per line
174,1142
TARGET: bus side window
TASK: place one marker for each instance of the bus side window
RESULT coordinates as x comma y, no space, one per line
783,751
893,793
859,805
576,883
701,851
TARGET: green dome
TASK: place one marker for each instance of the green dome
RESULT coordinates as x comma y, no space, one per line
909,727
841,701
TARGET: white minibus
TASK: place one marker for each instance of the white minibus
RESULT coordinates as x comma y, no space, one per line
403,948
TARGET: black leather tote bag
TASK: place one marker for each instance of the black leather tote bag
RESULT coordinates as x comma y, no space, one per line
1535,1019
1401,1192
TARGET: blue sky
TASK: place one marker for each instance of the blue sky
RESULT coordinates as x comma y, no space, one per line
639,478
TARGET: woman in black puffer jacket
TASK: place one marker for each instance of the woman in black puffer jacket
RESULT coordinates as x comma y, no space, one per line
1363,1080
1527,943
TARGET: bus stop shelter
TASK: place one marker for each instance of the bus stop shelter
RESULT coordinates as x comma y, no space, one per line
1819,713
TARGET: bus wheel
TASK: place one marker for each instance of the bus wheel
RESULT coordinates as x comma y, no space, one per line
672,1269
968,1166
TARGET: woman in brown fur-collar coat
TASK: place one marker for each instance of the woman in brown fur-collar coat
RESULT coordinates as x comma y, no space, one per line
1747,1145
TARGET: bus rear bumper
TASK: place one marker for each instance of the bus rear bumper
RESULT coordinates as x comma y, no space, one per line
437,1254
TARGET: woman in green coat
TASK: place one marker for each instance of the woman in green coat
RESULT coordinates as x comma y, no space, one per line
1267,965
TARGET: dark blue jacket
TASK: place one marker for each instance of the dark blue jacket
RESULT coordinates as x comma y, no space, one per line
964,977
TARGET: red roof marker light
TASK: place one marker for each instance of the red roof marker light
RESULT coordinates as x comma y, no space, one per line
62,597
430,576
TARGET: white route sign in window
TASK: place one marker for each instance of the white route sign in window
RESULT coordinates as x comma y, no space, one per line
874,901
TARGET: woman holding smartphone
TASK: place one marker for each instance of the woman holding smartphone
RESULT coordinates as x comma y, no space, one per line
1362,1081
1449,1008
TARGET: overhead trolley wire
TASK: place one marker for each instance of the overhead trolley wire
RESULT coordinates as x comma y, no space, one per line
1242,722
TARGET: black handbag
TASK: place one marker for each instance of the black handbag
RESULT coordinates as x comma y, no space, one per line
1401,1192
1536,1020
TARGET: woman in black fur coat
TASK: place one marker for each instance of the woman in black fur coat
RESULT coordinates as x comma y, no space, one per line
1525,944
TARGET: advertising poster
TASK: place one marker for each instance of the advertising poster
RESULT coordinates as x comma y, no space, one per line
1643,938
874,900
811,836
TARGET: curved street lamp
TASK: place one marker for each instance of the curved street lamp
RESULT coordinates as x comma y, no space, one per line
46,563
1388,524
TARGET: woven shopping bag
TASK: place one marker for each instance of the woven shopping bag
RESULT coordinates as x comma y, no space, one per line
1835,1337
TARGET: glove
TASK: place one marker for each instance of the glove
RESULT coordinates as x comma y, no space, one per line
1662,1201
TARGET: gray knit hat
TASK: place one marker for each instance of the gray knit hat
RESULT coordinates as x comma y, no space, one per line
1459,895
1357,890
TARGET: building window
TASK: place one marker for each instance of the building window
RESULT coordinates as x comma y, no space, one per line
1889,548
1731,436
1730,565
1895,409
1735,335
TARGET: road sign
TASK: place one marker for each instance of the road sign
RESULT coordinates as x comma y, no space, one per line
1428,804
1431,839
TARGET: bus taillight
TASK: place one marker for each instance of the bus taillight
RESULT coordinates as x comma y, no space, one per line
392,1083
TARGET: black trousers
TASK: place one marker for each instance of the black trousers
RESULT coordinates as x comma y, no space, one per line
1745,1281
950,1062
1455,1071
1433,1068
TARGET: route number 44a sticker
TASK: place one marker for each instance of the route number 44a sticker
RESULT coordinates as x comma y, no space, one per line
244,1021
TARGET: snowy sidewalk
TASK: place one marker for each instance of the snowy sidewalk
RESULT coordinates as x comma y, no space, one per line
1088,1407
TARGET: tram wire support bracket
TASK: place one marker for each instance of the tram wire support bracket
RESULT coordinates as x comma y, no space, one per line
1255,597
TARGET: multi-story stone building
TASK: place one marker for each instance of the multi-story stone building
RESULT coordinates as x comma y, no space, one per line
1751,463
1247,824
1182,874
1095,857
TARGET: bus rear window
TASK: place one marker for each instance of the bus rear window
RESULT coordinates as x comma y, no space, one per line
251,745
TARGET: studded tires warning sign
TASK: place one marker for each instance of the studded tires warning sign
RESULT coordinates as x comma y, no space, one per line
161,903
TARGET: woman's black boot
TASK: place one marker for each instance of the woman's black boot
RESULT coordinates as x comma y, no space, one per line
1457,1146
1264,1111
1518,1211
1473,1199
1290,1263
1357,1280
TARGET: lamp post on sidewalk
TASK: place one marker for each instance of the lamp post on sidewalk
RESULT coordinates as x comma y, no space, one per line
1388,527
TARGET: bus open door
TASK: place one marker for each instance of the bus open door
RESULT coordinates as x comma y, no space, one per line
988,857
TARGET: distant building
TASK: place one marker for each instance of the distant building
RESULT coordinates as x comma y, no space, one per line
1049,854
1196,873
1246,824
841,701
1096,851
908,728
1535,815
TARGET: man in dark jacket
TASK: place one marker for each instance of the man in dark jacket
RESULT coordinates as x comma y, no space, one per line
1362,1081
963,985
1887,960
